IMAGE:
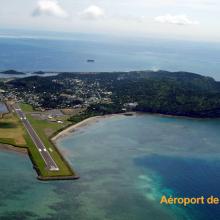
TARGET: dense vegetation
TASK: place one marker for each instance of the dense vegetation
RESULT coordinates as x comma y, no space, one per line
174,93
95,110
183,94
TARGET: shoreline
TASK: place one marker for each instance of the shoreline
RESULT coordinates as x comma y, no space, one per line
11,148
64,133
72,128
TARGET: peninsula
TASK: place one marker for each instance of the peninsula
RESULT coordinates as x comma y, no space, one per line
42,107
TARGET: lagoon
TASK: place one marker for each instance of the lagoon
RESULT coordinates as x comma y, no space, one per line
126,164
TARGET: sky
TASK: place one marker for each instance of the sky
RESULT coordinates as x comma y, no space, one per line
179,19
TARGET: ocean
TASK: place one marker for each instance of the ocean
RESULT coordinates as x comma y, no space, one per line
126,164
53,53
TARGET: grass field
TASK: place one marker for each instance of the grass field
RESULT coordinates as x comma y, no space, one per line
12,131
26,107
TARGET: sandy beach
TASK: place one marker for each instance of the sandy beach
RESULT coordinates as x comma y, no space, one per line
81,124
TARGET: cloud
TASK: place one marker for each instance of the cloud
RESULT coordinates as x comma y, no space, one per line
50,8
176,19
93,12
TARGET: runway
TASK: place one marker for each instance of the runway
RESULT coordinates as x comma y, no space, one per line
50,163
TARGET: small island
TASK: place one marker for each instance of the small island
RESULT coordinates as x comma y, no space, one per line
90,61
13,72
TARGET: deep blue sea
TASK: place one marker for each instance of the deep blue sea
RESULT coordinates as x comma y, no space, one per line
126,164
110,54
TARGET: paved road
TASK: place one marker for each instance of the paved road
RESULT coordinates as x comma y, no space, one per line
50,163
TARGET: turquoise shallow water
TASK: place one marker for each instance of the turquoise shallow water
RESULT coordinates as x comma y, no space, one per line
3,108
125,164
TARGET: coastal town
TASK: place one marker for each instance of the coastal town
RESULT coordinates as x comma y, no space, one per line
64,91
76,94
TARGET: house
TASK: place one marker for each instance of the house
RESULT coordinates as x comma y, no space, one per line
131,105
